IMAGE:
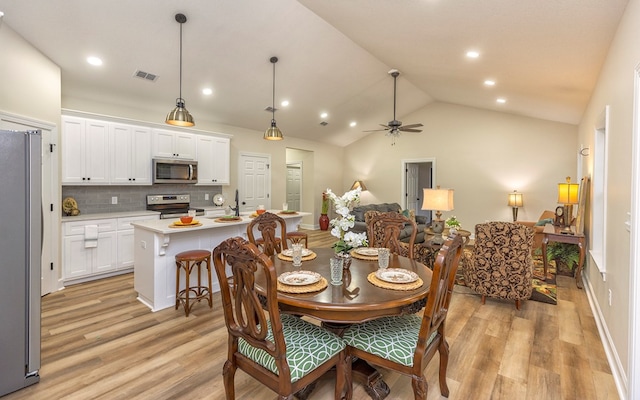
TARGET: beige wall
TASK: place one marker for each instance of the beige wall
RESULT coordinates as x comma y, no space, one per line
615,88
30,82
481,154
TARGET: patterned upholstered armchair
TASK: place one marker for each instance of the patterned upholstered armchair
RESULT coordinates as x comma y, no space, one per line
421,252
500,265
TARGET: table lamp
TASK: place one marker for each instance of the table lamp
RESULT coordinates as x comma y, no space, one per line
438,200
515,201
568,196
358,184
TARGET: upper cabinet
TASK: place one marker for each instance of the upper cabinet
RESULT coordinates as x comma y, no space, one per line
213,160
171,144
85,151
131,155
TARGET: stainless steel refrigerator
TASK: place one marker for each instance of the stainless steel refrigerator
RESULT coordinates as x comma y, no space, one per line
20,254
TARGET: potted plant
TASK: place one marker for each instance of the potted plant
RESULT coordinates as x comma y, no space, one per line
324,219
566,256
453,224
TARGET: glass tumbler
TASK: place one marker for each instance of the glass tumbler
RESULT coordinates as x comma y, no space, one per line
191,213
383,257
336,270
296,254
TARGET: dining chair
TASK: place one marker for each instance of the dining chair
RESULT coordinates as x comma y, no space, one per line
282,351
407,343
383,230
267,224
501,265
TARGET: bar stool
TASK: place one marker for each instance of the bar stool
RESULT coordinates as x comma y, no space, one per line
187,261
298,237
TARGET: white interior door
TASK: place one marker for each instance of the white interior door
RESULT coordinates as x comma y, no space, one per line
50,198
254,184
413,194
294,186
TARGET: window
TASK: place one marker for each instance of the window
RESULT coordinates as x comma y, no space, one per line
599,192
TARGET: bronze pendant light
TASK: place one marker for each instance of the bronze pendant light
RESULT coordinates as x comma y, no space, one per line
180,116
273,133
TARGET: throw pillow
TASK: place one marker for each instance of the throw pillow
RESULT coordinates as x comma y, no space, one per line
411,214
545,221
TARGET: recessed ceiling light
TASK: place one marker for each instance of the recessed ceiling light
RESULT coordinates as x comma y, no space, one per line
207,91
284,103
94,61
501,100
324,115
352,124
473,54
489,82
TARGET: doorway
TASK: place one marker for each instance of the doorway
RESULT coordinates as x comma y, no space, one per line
418,174
294,186
254,183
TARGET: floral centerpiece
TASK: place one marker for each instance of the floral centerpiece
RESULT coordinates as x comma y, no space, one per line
345,221
453,224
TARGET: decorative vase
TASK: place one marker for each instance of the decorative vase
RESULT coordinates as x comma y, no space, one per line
346,259
324,222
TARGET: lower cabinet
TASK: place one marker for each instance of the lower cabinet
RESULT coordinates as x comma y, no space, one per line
94,249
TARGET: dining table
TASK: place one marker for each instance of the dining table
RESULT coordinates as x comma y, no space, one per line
360,297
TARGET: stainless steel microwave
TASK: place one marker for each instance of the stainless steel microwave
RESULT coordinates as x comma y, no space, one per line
174,171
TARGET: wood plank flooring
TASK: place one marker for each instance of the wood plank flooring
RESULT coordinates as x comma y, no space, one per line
99,342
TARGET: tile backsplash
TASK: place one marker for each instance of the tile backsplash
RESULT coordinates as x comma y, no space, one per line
97,199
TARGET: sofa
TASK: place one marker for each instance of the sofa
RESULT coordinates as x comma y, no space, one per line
538,226
361,224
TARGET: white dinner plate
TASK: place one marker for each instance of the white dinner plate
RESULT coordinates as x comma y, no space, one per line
299,278
367,251
289,252
396,275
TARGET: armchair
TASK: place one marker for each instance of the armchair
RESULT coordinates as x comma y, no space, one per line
500,265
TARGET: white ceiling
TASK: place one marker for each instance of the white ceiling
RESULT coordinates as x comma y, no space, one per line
545,56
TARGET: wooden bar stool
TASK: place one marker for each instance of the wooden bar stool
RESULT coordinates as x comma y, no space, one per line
187,261
298,237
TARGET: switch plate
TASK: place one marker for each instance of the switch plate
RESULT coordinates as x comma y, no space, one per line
206,196
114,200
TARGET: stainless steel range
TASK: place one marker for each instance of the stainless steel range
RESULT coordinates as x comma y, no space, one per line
171,205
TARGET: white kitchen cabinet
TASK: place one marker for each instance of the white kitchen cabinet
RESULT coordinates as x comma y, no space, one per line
213,160
130,155
85,151
79,259
126,242
172,144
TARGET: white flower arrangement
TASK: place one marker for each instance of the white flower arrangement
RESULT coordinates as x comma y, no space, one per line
341,225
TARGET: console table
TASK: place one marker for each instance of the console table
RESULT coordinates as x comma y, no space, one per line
554,234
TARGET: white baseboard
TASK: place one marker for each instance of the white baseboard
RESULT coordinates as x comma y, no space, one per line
617,369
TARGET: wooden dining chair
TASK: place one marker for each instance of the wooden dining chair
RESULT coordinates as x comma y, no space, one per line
267,224
407,343
284,352
383,230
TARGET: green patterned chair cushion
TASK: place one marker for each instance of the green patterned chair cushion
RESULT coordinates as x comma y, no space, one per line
392,338
308,346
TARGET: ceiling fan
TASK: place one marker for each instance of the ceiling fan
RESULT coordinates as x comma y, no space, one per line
394,127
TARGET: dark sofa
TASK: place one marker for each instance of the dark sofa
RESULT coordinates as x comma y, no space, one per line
361,225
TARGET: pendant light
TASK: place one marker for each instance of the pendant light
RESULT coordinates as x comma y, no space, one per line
180,116
273,133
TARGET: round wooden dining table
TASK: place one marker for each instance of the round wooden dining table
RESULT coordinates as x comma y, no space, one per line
355,300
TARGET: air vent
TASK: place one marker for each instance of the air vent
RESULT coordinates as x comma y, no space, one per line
324,123
145,75
270,109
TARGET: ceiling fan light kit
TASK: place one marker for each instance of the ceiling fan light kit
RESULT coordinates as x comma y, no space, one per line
179,116
273,132
394,127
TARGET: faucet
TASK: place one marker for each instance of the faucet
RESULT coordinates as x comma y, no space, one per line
237,207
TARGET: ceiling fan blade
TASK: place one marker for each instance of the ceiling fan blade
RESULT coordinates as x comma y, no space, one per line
376,130
411,126
410,130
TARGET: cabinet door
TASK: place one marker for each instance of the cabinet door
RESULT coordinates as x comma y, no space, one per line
185,146
163,143
73,170
76,259
97,152
121,154
221,160
213,160
105,255
141,156
125,249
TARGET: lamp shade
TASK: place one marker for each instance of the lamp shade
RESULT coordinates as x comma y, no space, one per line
515,199
568,192
179,116
437,199
358,184
273,133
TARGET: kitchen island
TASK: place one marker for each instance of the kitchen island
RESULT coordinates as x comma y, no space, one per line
157,242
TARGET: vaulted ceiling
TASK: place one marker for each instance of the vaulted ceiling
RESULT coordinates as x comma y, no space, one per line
334,57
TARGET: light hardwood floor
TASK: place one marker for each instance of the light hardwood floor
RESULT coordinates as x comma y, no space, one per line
99,342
